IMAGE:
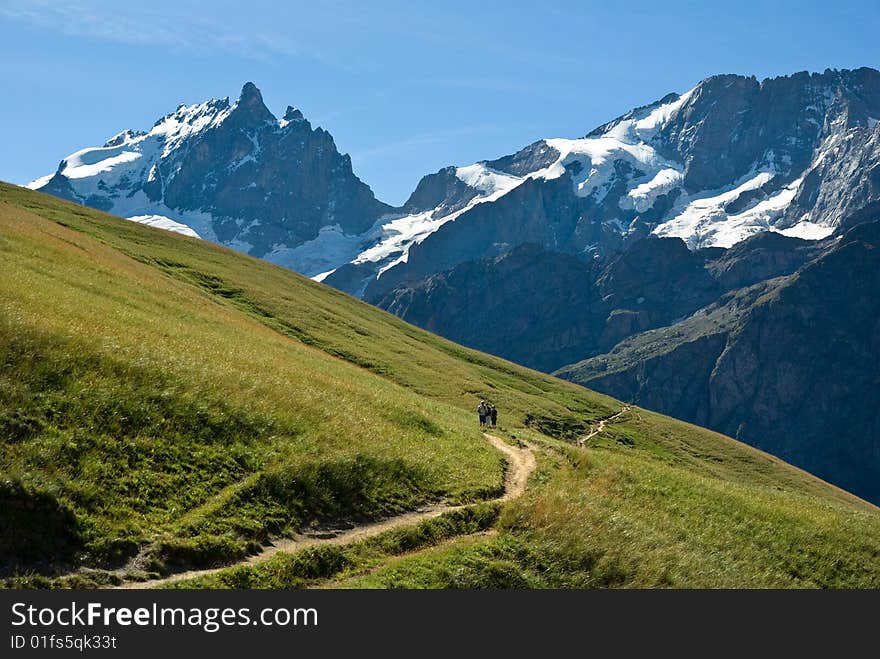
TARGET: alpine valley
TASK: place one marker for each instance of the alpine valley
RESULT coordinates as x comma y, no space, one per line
711,255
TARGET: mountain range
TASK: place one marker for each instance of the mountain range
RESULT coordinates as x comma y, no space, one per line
729,158
599,257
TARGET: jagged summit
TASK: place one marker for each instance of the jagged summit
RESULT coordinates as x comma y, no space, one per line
292,114
249,91
250,104
233,173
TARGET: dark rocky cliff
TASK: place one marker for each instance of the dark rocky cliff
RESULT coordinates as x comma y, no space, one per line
791,365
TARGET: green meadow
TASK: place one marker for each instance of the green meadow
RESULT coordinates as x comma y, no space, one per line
169,404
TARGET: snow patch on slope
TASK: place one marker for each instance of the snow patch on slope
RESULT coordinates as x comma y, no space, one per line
643,196
138,204
806,230
321,255
91,162
188,120
487,180
38,183
705,222
598,157
166,223
626,141
390,239
645,128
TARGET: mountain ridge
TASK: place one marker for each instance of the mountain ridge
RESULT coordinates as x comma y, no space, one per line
728,158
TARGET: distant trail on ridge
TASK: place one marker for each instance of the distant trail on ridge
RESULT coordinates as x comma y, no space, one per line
602,423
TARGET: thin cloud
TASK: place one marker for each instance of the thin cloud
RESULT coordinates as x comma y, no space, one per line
144,29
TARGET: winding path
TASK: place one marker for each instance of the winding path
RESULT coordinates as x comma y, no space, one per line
520,465
602,423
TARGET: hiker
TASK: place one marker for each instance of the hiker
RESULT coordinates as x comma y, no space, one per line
493,415
483,412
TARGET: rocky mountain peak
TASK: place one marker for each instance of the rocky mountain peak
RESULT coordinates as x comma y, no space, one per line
293,114
250,106
229,172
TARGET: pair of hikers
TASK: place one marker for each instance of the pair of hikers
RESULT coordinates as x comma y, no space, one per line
488,415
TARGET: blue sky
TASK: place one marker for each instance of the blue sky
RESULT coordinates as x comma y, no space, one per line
404,87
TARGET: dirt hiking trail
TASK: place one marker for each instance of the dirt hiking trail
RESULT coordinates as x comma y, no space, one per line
520,465
602,423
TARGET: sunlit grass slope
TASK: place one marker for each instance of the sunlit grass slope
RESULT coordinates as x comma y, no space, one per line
166,402
612,518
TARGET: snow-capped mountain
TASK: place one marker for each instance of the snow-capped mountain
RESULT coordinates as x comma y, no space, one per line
730,158
230,173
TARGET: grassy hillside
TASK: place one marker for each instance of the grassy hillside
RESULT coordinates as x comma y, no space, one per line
165,402
611,518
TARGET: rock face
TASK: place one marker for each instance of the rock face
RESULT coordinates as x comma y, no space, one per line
543,307
761,257
546,309
233,173
790,365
